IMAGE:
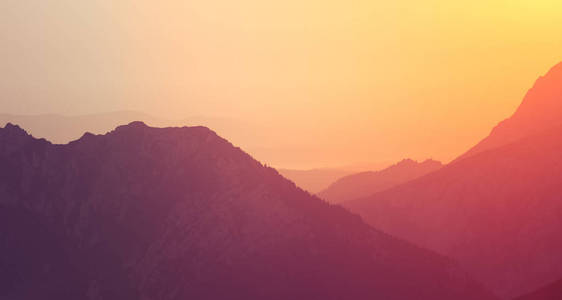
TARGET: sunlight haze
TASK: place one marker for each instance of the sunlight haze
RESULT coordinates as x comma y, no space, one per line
320,83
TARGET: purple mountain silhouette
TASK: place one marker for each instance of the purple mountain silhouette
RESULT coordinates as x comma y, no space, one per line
179,213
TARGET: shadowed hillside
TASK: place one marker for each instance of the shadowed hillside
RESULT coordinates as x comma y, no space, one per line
497,211
179,213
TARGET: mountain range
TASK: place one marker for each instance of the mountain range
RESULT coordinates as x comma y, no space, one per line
61,129
498,208
367,183
180,213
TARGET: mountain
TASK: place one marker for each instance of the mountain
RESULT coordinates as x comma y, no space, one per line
316,180
268,144
62,129
541,109
313,180
367,183
498,211
552,291
180,213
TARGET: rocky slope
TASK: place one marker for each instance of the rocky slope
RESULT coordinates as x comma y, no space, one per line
179,213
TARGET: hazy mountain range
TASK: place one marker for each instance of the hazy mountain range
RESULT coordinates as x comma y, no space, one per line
180,213
497,209
367,183
61,129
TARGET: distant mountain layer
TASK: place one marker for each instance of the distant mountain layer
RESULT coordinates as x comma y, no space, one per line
179,213
368,183
313,180
498,211
552,291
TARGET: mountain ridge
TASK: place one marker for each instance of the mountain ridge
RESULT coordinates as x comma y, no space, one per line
539,110
363,184
173,213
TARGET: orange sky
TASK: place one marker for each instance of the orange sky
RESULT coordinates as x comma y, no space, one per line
320,83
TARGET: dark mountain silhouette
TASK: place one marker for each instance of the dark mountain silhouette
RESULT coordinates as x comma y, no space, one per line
179,213
540,110
367,183
313,180
61,129
497,211
552,291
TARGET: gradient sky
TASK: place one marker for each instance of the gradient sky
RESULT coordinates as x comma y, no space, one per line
320,83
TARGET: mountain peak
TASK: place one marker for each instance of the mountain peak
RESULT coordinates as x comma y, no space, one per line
135,125
431,161
367,183
13,137
12,132
14,129
407,161
141,126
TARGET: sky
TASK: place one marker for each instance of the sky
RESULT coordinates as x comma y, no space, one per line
314,83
